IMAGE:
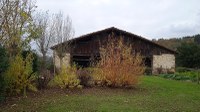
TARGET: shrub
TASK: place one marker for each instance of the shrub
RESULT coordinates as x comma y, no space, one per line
3,60
66,78
34,59
19,76
85,77
191,75
182,69
44,77
148,71
2,88
118,67
3,67
184,76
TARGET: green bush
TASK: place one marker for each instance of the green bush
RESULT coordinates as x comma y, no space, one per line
19,76
3,60
34,60
66,78
191,75
3,66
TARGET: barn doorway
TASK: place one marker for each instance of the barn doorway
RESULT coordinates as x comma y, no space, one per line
81,61
148,62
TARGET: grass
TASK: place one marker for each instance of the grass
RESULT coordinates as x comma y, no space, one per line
152,94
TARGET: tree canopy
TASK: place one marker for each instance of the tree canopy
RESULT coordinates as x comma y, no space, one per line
188,55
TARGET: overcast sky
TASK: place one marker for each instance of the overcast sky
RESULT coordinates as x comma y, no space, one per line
149,18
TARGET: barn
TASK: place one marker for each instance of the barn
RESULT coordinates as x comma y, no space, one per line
85,49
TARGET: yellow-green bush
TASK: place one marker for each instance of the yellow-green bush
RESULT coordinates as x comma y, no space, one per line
66,78
20,76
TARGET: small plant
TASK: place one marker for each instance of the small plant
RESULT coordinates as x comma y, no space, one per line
66,78
183,76
182,69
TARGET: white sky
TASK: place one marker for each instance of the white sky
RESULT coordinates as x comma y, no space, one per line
148,18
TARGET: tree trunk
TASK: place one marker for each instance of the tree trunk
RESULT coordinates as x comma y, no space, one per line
24,92
61,62
54,66
43,66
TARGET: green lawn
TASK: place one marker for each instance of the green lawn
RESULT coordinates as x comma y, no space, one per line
152,94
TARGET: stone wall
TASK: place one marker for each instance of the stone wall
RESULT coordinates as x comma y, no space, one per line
66,60
164,63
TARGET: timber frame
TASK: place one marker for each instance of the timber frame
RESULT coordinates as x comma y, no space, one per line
85,48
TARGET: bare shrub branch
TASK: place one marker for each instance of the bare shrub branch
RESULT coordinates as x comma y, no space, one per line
63,32
119,66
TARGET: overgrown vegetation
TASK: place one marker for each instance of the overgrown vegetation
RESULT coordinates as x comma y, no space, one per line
119,66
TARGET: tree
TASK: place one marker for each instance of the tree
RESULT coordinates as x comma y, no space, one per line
197,39
188,55
63,32
20,76
16,24
45,31
16,33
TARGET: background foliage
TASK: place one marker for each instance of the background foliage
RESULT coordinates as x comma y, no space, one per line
188,55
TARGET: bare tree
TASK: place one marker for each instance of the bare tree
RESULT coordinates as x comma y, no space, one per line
16,24
63,32
45,30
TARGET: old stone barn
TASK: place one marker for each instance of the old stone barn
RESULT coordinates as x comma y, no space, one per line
85,49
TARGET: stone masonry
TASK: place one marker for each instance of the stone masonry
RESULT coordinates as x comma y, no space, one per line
66,60
164,63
